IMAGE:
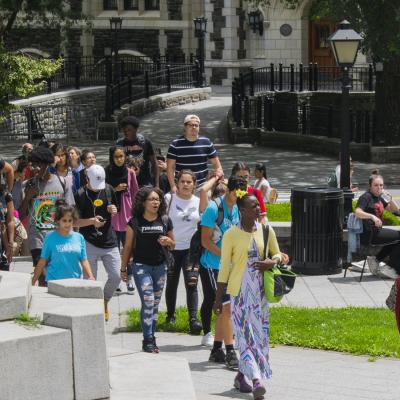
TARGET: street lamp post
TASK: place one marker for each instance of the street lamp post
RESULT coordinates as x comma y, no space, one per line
115,27
345,43
200,29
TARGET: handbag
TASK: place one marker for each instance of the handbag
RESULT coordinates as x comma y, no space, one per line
279,280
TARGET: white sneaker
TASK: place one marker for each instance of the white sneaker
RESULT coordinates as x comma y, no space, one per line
207,340
387,272
373,265
358,266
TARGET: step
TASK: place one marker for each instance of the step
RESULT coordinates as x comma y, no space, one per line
149,376
15,294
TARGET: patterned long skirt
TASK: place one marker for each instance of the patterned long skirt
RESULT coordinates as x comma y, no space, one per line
250,318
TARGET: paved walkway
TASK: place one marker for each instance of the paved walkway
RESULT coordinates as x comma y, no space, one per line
298,373
286,168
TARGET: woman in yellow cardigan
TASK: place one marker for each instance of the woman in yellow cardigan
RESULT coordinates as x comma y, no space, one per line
241,274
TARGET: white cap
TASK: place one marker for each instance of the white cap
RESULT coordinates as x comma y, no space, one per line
189,117
96,176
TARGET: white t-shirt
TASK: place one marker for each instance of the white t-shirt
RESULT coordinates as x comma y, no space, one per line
260,185
185,216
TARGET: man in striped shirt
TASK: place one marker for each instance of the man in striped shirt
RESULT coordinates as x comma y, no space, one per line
192,151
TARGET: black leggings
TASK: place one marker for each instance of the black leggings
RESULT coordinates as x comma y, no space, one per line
208,282
392,249
181,258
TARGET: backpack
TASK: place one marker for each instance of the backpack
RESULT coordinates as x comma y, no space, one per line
332,180
196,249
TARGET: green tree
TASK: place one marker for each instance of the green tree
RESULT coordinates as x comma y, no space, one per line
21,75
379,23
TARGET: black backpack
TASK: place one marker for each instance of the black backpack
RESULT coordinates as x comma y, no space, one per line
196,249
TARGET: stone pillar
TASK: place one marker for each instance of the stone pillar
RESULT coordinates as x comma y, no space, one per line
162,41
87,43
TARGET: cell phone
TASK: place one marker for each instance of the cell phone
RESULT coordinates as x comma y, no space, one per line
161,158
100,218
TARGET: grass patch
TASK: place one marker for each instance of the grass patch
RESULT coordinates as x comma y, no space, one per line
361,331
29,322
282,212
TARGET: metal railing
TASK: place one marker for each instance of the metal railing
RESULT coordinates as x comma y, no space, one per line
265,112
301,78
164,80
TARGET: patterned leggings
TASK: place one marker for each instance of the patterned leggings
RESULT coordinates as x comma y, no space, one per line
150,281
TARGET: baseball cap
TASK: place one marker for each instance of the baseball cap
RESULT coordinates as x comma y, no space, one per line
96,176
189,117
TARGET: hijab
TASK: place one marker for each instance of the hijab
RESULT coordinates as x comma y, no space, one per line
114,174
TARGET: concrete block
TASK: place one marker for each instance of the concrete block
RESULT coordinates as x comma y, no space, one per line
174,379
15,294
77,288
36,363
86,323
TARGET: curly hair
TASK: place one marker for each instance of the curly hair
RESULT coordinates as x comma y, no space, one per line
142,195
41,155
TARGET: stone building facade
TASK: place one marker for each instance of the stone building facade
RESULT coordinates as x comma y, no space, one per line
152,27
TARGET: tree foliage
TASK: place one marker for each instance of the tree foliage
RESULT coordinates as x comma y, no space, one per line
22,76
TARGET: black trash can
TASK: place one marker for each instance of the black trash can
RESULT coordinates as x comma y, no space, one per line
317,230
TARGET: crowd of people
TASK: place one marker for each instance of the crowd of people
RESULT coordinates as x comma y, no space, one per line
147,218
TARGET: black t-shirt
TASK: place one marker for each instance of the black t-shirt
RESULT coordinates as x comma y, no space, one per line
141,151
105,236
372,205
147,248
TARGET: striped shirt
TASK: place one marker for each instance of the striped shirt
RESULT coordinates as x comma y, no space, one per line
192,155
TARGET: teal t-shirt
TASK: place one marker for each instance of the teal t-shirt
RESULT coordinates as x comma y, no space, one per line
63,255
209,220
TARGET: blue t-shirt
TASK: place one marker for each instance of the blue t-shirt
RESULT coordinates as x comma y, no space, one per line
209,220
63,254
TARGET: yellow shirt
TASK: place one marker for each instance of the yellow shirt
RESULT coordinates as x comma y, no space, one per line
236,244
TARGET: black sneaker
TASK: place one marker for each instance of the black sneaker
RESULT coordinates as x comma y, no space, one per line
148,346
170,320
195,326
231,360
217,356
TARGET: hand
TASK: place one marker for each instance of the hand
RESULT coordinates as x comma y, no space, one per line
164,241
264,265
377,221
217,307
112,209
124,275
173,189
98,221
285,258
162,165
219,174
91,278
121,187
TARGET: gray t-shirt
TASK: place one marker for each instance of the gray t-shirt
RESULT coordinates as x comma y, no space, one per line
42,208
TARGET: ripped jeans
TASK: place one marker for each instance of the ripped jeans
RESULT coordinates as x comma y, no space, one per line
150,281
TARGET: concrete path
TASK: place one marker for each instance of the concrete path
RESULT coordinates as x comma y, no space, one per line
285,168
298,373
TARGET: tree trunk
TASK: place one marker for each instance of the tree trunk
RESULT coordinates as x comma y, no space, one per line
388,104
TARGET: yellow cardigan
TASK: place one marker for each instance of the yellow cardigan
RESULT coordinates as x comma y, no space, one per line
235,246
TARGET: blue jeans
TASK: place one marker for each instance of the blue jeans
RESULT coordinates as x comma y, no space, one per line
150,281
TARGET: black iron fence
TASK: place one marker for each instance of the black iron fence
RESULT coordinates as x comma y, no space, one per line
90,71
300,78
265,112
150,83
66,121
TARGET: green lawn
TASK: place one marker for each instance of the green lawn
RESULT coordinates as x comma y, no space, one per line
362,331
282,212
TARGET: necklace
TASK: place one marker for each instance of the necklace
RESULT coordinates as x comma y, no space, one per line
97,202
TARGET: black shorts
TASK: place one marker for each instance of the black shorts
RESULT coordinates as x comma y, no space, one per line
213,276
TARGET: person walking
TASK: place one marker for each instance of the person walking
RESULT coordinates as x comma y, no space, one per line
149,236
123,180
140,150
218,217
96,204
76,167
41,193
191,151
183,209
64,251
241,276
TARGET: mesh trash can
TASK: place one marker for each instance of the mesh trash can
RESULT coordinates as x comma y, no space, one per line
317,230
